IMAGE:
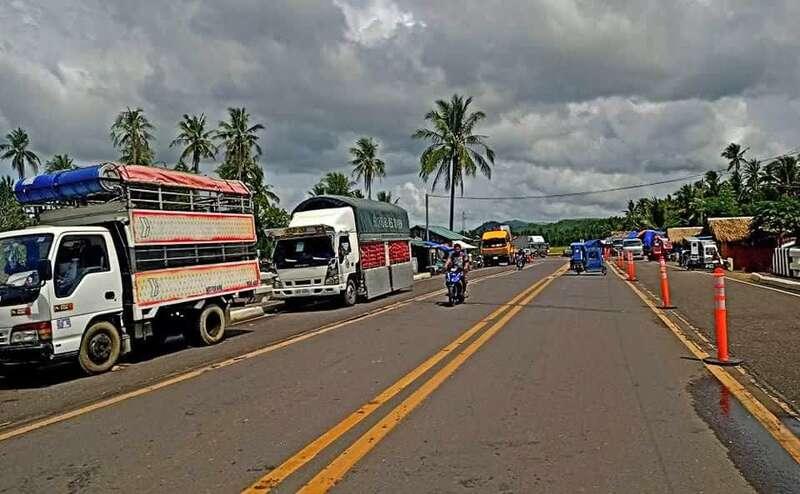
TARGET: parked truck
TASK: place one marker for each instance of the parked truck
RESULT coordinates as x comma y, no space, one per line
122,256
342,247
497,246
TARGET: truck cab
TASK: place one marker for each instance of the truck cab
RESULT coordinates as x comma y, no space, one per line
314,256
56,282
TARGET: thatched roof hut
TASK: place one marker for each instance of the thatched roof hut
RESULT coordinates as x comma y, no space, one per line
734,229
677,235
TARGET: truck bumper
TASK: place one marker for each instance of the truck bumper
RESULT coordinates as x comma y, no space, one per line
26,354
307,291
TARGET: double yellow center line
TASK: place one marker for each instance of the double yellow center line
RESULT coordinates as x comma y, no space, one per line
337,469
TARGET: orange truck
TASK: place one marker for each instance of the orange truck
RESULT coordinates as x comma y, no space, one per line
497,246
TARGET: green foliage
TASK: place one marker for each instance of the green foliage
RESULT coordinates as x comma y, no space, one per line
60,162
13,217
386,196
366,163
780,217
335,184
196,141
453,152
180,166
16,149
131,133
240,141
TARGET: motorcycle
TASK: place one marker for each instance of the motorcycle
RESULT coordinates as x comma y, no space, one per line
520,263
454,281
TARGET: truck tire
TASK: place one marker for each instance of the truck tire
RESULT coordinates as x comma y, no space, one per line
350,294
209,326
100,348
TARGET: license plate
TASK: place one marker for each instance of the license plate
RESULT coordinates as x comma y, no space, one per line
304,291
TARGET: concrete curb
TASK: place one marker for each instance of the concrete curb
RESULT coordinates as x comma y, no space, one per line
247,313
775,282
421,276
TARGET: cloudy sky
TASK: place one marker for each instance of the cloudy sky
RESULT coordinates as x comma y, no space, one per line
580,94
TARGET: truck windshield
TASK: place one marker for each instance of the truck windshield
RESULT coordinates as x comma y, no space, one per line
493,243
303,252
21,254
632,243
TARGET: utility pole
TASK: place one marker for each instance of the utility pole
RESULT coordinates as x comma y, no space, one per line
427,223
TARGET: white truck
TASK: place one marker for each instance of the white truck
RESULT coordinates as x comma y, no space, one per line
342,247
633,247
122,255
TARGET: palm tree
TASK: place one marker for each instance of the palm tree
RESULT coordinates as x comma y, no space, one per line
783,175
452,154
60,162
367,165
240,140
735,156
196,141
711,183
335,184
16,149
132,133
753,178
386,196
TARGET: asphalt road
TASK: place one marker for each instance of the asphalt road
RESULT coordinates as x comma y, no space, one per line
763,324
537,384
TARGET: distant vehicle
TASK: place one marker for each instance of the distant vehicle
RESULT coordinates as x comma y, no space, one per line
633,246
616,245
661,247
342,247
496,247
567,252
588,257
702,253
538,246
577,261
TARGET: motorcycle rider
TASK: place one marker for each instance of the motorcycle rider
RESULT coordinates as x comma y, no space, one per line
459,259
520,257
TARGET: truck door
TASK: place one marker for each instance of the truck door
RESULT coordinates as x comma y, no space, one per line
86,283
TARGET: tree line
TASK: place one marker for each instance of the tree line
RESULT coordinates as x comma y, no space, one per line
767,189
454,152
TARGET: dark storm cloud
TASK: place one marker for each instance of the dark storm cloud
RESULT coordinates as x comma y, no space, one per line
580,94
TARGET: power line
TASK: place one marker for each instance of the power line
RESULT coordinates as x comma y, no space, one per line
582,193
721,171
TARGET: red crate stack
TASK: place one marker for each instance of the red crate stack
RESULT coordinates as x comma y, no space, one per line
399,251
373,255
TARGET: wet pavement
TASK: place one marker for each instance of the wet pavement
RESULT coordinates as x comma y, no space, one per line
763,324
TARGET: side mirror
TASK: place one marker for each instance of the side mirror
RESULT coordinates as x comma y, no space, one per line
344,248
45,270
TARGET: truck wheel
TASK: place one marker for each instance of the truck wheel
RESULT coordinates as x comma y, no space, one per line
100,348
350,295
209,326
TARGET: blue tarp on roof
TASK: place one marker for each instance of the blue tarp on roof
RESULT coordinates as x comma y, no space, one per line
60,186
649,236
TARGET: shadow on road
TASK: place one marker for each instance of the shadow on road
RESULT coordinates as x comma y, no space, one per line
43,376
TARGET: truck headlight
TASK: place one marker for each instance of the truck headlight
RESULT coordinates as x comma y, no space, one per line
25,336
277,283
332,274
31,333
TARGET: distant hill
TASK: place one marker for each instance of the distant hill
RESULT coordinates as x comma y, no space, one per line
494,225
562,232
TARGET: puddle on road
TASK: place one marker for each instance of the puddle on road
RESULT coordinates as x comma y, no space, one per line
762,461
